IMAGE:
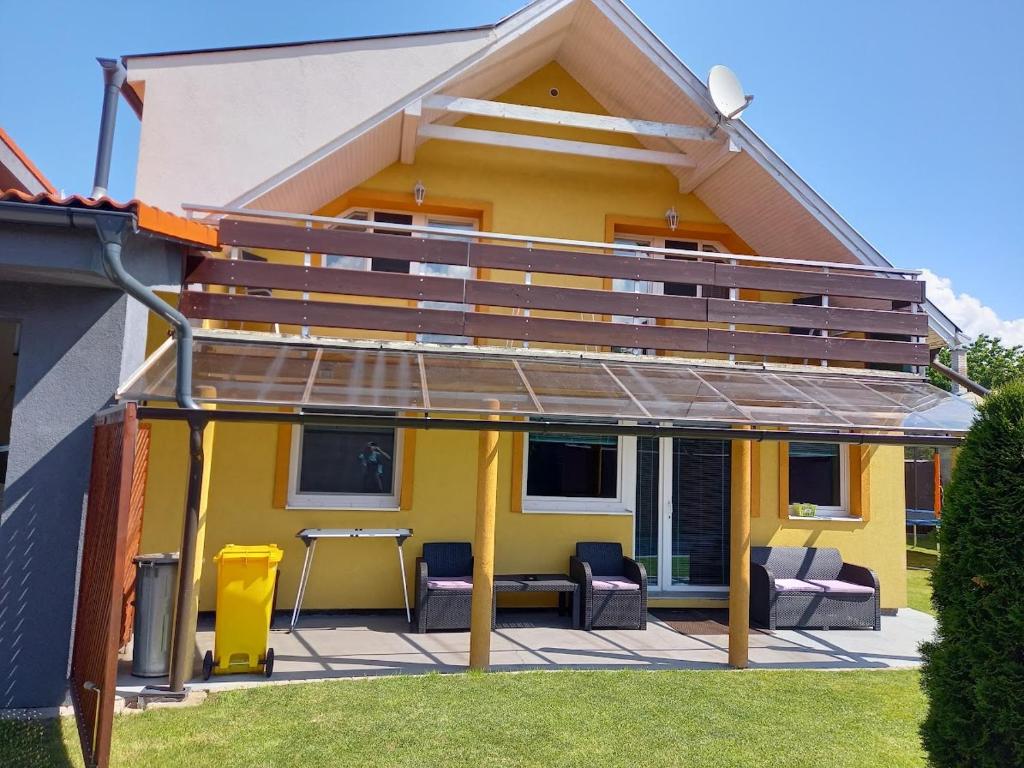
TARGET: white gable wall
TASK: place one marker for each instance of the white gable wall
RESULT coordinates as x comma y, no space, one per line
216,125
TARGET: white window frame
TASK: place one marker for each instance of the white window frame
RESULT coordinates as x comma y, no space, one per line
344,501
658,288
417,269
832,512
625,239
623,503
419,219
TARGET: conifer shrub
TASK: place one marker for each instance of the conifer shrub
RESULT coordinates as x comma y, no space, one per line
974,670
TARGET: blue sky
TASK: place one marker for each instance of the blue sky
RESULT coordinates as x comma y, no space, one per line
905,115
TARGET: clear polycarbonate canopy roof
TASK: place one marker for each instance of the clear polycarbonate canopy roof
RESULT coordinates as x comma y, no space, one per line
306,375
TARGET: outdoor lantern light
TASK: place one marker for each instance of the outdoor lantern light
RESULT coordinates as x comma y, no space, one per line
672,218
419,192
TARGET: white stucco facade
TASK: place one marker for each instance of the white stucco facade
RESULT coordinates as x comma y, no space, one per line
218,124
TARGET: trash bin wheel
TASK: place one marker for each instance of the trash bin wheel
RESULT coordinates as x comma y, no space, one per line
268,663
207,665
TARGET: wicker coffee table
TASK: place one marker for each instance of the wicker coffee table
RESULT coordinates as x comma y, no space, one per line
544,582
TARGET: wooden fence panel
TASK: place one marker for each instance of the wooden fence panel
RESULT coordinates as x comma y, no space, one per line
134,536
102,581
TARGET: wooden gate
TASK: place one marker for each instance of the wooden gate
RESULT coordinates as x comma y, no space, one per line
116,485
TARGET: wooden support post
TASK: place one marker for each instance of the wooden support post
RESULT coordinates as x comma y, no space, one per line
193,544
190,560
739,555
483,549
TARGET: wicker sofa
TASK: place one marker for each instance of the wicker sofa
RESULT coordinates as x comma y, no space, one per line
444,586
811,587
612,587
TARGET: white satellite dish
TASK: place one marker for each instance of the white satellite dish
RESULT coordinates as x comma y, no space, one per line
726,92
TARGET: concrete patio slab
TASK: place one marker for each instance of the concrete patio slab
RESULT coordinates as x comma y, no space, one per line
326,647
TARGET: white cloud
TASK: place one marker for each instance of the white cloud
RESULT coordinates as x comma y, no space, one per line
969,313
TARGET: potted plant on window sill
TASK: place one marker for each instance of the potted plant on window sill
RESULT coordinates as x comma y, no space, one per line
803,510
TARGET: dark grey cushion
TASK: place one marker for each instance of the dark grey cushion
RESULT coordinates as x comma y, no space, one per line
448,558
799,562
604,557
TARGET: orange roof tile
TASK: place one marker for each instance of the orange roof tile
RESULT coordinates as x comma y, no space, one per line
32,168
150,219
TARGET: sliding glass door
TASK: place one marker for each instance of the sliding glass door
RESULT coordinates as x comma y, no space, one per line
682,512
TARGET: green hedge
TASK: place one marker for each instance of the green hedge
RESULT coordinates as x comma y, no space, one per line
974,671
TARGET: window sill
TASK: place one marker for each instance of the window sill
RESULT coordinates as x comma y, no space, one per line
602,512
300,507
829,518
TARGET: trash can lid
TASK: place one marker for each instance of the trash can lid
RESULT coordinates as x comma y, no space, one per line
158,558
250,552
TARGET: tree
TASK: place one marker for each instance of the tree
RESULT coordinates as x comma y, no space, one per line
974,670
989,362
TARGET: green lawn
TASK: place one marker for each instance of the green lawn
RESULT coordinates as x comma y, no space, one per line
569,718
920,561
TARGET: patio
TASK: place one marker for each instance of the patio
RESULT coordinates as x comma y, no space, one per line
336,646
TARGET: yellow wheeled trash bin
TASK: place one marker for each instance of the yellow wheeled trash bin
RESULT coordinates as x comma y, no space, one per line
245,597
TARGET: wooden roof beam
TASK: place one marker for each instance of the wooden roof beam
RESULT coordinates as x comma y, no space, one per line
562,146
410,124
689,182
544,115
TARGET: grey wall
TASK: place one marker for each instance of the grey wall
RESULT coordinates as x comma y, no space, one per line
8,367
72,357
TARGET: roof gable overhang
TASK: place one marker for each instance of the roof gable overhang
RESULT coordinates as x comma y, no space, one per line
17,171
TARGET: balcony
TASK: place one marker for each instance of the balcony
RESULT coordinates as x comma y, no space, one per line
777,310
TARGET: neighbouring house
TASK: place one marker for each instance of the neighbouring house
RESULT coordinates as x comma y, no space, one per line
68,337
17,172
430,227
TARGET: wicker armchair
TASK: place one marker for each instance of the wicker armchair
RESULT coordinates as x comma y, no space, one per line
811,587
613,588
444,586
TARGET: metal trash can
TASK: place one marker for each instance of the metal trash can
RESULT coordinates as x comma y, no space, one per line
155,584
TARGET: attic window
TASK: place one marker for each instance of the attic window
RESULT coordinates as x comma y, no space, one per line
554,92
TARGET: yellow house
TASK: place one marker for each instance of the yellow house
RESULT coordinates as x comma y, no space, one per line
542,230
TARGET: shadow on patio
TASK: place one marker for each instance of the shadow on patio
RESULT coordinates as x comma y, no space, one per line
333,646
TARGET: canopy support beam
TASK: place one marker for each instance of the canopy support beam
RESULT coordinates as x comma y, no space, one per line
554,426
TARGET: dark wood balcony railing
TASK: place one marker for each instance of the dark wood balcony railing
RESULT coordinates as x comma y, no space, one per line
897,296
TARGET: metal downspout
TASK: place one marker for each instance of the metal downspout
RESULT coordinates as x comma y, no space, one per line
114,76
111,231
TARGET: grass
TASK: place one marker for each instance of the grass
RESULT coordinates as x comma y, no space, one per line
34,742
566,718
680,568
920,561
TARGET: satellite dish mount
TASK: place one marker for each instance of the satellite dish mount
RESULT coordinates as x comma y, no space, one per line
726,94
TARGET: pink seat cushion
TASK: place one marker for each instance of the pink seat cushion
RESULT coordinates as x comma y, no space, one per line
796,585
842,587
614,584
450,582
